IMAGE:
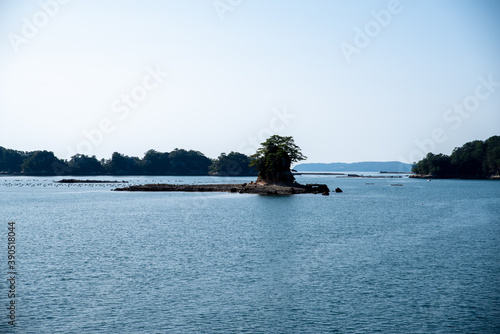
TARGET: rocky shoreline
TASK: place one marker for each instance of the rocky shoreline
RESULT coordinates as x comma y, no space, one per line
244,188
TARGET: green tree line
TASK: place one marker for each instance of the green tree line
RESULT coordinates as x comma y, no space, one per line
475,159
177,162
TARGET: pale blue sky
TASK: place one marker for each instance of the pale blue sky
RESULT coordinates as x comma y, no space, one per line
256,69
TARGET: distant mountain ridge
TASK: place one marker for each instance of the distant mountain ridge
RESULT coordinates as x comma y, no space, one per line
366,166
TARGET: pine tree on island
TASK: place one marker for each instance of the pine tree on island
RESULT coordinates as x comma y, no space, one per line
273,160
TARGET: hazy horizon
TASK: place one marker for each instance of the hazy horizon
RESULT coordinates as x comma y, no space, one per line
351,82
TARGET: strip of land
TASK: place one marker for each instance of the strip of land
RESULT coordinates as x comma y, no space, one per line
316,173
89,181
244,188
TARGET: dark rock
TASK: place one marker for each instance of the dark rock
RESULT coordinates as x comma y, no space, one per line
89,181
264,189
326,193
316,188
338,190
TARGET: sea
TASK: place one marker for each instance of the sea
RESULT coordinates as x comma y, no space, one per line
389,255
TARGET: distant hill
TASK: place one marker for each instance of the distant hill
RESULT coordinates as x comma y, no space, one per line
367,166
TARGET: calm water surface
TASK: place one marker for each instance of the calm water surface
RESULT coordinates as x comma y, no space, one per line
418,258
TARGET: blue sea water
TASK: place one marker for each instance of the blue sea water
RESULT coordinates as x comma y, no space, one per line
423,257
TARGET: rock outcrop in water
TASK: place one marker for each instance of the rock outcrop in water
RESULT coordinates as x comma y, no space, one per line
274,159
245,188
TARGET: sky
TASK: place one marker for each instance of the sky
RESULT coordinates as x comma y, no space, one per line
348,80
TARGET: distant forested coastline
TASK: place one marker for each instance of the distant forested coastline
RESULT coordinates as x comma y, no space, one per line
177,162
474,160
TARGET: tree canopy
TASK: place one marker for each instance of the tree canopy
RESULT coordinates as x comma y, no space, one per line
81,164
276,142
475,159
274,158
10,160
177,162
189,162
232,164
156,163
40,163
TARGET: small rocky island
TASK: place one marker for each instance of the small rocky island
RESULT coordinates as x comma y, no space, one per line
244,188
273,161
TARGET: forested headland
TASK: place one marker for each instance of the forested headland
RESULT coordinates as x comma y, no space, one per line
177,162
474,160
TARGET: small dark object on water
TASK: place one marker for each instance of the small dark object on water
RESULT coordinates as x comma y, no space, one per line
338,190
88,181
